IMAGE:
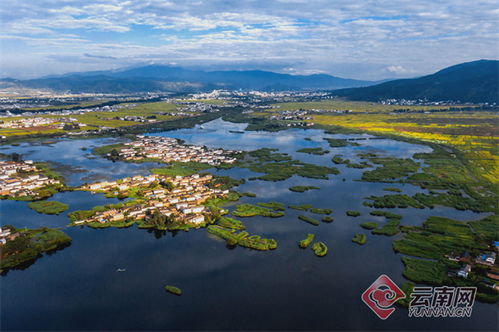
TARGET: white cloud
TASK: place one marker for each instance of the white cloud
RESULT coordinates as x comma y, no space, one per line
369,39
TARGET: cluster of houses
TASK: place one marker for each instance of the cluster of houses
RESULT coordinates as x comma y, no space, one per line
135,118
298,115
183,200
197,107
7,235
20,179
169,149
34,122
468,261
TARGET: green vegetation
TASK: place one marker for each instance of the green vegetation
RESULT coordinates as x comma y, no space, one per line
337,159
29,244
302,207
390,228
276,206
439,238
305,243
279,167
360,165
327,219
385,214
308,207
226,182
393,201
369,225
311,221
407,288
393,189
279,171
320,249
338,143
247,194
155,220
315,151
248,210
359,238
454,200
321,211
243,239
230,223
393,168
105,149
423,271
173,290
301,189
268,155
351,213
183,169
48,207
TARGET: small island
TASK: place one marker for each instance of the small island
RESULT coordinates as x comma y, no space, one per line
327,219
304,243
167,150
173,290
302,189
242,239
248,210
315,151
351,213
310,220
159,202
48,207
22,247
369,225
359,238
320,249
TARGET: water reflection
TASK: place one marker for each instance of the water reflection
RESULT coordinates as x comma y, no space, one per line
223,288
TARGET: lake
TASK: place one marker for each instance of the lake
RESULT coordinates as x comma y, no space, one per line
78,288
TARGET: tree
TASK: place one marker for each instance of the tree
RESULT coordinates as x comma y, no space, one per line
16,157
115,155
167,185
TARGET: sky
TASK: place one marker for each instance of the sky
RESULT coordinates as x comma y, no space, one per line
367,39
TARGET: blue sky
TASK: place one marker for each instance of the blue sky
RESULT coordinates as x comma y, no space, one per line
347,38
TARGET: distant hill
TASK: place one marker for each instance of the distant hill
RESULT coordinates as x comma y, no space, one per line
168,78
475,81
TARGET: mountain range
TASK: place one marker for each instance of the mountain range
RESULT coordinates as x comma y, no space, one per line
157,78
475,81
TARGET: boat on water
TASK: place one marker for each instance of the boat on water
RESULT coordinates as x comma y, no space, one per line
120,270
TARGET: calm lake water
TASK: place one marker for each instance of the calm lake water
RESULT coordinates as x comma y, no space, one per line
78,288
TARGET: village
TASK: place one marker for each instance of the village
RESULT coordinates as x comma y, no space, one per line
7,235
170,149
178,198
36,122
22,179
487,260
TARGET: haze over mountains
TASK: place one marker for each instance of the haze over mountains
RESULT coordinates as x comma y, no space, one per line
475,81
